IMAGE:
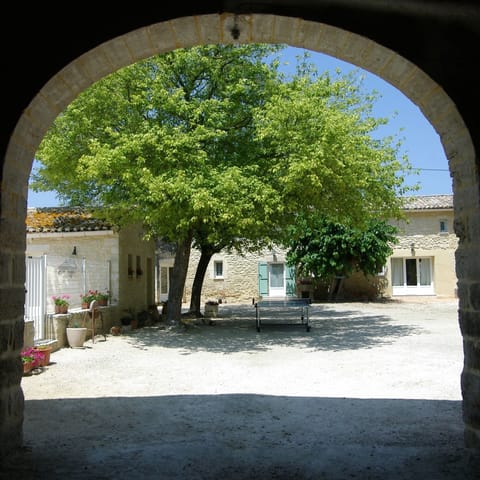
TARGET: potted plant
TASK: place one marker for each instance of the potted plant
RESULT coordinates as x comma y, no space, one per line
61,303
44,354
103,297
30,359
211,309
87,298
76,335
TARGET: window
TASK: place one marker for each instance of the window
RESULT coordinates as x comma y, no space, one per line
443,226
412,276
130,265
138,266
218,269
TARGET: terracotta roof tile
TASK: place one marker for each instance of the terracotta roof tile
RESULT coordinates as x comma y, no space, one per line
78,219
429,202
63,219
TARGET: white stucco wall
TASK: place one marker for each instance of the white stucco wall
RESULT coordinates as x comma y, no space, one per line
99,251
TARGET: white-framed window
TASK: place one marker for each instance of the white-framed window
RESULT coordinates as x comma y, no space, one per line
218,269
412,276
443,226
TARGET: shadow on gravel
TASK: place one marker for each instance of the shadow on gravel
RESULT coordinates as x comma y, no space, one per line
242,436
235,331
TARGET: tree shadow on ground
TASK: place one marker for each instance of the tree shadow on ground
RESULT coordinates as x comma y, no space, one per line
235,331
242,436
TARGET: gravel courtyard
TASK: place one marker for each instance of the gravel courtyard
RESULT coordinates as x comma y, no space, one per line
372,391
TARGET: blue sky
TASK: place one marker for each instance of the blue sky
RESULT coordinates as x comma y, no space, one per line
420,141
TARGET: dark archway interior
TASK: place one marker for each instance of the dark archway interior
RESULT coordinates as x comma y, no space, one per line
439,37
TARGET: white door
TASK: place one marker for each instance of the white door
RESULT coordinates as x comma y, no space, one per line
166,272
276,279
412,276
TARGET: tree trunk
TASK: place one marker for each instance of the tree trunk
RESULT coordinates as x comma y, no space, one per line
177,285
336,288
202,266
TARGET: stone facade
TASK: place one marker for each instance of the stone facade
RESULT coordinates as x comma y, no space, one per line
429,233
420,236
239,283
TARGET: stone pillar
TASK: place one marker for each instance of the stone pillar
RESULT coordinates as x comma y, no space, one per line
469,316
11,394
467,260
12,302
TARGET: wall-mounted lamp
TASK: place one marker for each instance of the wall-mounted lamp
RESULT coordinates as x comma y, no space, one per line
412,249
74,252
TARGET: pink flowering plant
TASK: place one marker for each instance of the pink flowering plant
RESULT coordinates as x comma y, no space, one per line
94,295
62,300
31,355
103,295
89,296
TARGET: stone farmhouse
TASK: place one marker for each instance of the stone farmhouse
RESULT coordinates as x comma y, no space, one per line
423,263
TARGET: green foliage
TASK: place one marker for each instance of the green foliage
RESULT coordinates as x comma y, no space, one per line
173,136
324,248
319,133
213,144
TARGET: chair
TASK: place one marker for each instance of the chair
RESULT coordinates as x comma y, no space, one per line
95,314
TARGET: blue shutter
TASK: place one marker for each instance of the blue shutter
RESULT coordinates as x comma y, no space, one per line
262,279
290,281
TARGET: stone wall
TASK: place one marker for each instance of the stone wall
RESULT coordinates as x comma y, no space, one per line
240,280
421,237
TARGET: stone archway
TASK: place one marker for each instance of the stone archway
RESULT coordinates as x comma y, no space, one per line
62,88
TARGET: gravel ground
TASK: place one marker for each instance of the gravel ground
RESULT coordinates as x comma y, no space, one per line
371,392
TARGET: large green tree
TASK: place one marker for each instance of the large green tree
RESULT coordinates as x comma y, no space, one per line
329,251
169,142
214,146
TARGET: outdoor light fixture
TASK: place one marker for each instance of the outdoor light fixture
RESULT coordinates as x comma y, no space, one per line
412,249
74,252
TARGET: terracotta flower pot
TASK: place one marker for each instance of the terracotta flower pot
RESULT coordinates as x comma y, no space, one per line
45,351
28,367
116,330
61,309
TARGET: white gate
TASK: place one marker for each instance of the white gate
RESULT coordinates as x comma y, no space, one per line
36,295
